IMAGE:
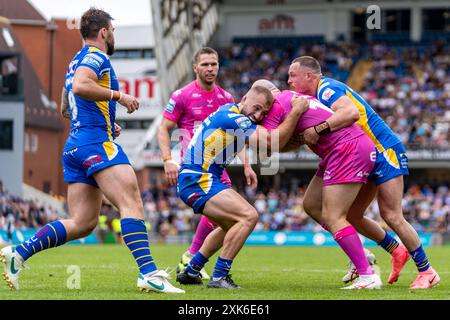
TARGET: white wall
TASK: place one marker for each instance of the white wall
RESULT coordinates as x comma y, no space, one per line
11,162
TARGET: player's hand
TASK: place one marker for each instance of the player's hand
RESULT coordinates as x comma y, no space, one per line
129,102
251,177
117,130
299,104
311,136
171,170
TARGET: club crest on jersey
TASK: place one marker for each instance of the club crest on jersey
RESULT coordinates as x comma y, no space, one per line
326,95
244,123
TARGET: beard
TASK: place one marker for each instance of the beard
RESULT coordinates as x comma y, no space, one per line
207,81
109,47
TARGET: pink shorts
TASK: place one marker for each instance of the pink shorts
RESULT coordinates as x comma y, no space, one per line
349,162
225,178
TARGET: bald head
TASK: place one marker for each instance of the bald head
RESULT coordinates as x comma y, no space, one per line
310,63
304,75
268,85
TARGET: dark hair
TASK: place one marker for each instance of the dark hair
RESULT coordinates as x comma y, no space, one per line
204,50
309,62
266,92
92,21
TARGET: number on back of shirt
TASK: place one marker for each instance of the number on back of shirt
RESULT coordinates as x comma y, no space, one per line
73,105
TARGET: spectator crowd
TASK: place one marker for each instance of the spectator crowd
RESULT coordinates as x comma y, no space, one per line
409,87
19,214
426,207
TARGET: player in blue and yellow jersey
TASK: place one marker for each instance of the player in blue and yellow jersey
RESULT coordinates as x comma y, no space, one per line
94,165
214,145
386,178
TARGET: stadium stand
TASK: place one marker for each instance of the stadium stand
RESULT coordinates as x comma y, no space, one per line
407,84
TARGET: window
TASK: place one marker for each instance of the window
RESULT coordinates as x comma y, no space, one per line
6,134
436,19
397,20
34,143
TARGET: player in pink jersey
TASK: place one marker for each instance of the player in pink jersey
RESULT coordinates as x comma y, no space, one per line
187,108
347,160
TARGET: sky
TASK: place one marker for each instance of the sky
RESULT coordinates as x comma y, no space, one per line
124,12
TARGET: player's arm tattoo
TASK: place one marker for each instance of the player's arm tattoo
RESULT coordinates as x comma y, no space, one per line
65,104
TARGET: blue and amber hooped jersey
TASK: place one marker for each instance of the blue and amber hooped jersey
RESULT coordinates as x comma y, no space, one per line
217,141
91,121
329,90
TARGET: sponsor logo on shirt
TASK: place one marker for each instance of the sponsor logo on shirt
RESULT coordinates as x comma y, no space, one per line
220,96
92,60
244,123
176,93
326,95
196,95
234,115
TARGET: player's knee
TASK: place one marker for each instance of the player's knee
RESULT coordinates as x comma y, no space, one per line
311,206
250,217
85,228
392,219
329,217
253,217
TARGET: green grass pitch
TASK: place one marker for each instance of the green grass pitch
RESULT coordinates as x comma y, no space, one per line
266,273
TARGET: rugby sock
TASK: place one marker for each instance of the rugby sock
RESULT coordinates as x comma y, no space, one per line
420,258
348,240
134,233
389,243
51,235
196,264
203,229
222,268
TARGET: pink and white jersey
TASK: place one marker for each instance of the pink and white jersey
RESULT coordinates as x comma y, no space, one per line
316,114
190,105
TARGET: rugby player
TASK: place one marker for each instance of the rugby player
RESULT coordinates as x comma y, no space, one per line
386,179
187,108
93,163
346,161
214,145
